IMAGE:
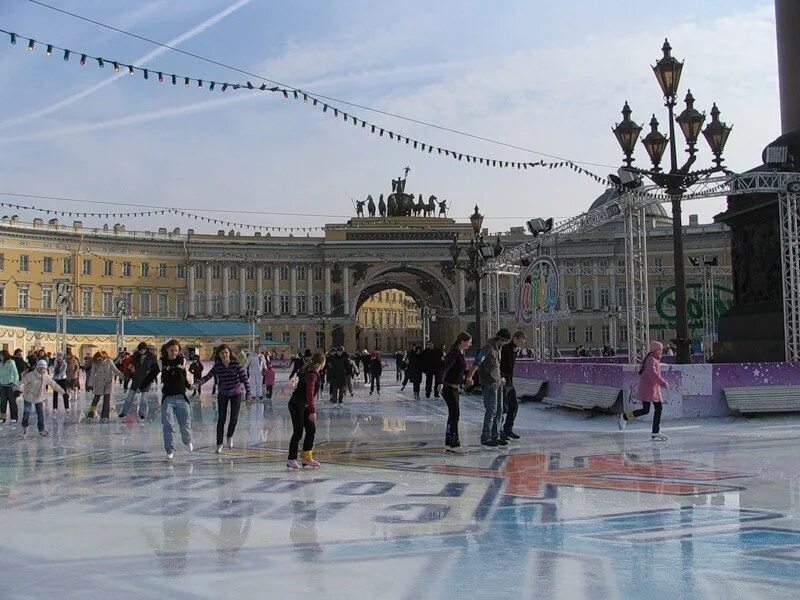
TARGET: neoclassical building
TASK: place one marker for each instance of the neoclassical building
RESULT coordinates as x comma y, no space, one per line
306,292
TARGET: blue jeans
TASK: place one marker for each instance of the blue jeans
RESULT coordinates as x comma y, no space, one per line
493,403
175,407
129,399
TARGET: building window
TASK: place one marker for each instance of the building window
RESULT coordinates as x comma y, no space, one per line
287,337
233,273
589,334
285,272
605,333
68,265
268,303
24,263
319,340
250,272
163,302
2,261
268,336
285,303
301,273
588,298
162,270
623,334
47,265
215,272
144,303
216,302
658,291
622,297
661,334
2,296
318,274
180,305
556,336
302,303
127,298
233,303
268,272
250,302
604,297
318,305
570,294
126,269
571,334
108,302
23,297
86,302
199,272
87,266
108,268
180,271
47,298
504,300
145,269
658,262
199,302
302,340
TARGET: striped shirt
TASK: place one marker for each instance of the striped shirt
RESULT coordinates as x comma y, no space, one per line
231,380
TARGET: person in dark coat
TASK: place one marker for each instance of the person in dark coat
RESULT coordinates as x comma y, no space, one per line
508,359
375,366
338,369
414,371
432,360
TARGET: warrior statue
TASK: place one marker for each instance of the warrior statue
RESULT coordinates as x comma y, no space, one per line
360,207
400,204
443,208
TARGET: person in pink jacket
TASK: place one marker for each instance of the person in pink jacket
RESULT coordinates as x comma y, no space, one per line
649,391
269,380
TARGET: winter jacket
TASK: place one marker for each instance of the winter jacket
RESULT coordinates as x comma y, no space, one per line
22,365
269,377
376,366
60,370
196,369
143,365
8,373
453,368
431,360
415,367
488,361
338,369
231,380
650,380
307,389
101,377
73,366
35,386
174,381
508,358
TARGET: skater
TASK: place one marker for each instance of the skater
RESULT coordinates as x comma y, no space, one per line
143,363
508,358
255,365
127,368
60,377
649,392
269,380
399,365
414,371
234,386
34,386
352,373
9,378
487,364
451,377
196,369
174,402
297,364
432,358
73,377
337,374
375,367
304,413
99,382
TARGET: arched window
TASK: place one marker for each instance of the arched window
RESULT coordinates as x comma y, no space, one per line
250,302
233,303
319,305
199,302
285,303
302,302
267,303
216,302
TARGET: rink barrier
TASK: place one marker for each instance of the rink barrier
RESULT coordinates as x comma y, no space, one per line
583,396
764,399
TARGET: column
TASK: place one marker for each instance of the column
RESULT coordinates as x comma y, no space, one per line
190,277
293,290
242,290
225,291
276,290
260,290
512,293
612,288
787,19
579,288
346,289
596,286
310,289
209,304
562,292
327,290
462,292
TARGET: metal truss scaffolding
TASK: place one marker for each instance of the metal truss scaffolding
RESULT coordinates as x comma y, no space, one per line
491,285
790,266
636,283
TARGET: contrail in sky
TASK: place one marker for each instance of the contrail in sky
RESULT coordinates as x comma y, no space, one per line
140,61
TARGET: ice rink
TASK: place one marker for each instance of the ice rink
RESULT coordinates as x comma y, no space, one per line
575,509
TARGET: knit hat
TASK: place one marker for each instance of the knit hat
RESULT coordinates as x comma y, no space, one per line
142,346
504,334
41,364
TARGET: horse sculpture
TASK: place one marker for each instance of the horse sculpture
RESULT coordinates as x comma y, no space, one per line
381,206
430,207
370,206
419,206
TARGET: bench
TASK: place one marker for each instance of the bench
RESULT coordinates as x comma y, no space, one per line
528,388
763,398
586,397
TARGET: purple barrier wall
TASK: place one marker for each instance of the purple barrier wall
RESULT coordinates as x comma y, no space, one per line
695,390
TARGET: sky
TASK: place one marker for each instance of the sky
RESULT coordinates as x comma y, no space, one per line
550,77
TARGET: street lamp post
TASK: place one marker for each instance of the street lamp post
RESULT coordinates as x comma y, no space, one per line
478,252
668,73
